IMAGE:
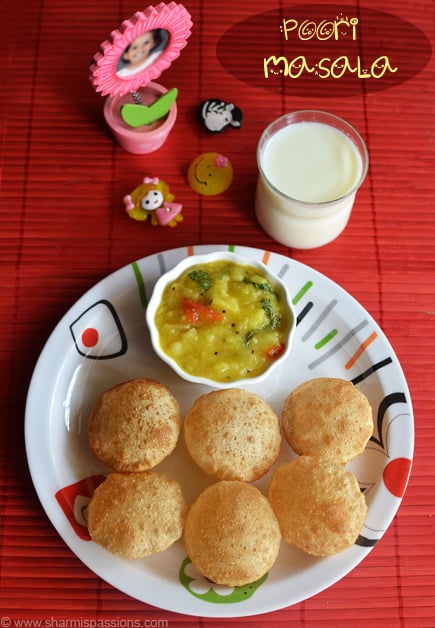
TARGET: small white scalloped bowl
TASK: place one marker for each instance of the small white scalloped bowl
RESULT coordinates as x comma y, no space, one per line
194,260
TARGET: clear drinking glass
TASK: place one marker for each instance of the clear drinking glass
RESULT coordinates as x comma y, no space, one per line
308,177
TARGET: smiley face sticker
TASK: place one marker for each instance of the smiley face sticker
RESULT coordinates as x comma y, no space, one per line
210,174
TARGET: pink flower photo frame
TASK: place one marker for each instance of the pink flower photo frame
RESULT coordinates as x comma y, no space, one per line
164,28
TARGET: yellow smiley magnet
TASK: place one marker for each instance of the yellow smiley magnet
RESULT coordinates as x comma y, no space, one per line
210,174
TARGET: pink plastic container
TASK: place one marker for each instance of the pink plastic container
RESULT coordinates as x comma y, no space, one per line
145,139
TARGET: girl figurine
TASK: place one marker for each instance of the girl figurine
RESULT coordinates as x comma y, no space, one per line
153,199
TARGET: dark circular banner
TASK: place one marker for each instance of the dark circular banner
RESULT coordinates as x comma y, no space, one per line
322,50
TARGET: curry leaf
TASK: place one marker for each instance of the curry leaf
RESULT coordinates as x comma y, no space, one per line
273,321
259,286
202,278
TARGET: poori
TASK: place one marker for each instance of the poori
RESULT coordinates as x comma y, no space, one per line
327,416
135,425
318,504
134,515
231,533
232,434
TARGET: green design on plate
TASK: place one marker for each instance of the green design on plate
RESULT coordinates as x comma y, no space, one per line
208,591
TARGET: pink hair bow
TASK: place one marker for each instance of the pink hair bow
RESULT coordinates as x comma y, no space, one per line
129,205
153,180
221,161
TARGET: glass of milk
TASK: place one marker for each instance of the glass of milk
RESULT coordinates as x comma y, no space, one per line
311,164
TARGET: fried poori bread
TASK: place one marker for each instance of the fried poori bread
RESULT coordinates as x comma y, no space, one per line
327,416
134,515
318,504
232,434
231,533
135,425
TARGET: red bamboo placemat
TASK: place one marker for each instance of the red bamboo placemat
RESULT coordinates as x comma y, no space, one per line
63,228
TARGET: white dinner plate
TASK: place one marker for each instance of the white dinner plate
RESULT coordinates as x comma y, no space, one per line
103,340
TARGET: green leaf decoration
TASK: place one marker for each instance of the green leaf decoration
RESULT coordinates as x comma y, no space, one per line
142,115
